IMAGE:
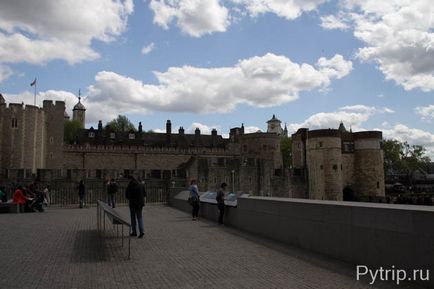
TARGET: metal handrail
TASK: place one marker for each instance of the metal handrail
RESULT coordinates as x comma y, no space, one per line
104,209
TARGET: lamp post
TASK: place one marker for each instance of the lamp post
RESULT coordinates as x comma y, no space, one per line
233,181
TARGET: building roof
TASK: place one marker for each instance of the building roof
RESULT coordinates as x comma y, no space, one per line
342,127
2,99
79,105
150,139
274,119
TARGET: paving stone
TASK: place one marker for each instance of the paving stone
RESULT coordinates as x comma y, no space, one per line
61,248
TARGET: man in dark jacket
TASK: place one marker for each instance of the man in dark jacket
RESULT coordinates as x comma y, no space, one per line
112,189
135,194
220,198
81,193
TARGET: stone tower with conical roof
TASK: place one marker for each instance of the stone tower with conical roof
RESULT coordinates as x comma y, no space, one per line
79,112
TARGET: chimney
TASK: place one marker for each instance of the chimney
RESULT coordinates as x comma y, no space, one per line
168,127
140,127
181,130
99,125
168,132
214,137
197,132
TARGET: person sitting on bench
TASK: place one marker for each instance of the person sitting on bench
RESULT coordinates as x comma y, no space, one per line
22,200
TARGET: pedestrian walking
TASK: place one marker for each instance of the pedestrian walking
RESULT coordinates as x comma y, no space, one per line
112,189
81,193
135,193
47,199
194,199
220,198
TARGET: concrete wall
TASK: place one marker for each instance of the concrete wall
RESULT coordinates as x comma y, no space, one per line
359,233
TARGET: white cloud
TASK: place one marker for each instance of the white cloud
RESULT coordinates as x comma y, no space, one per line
334,22
251,129
5,72
413,136
289,9
366,109
398,36
37,32
199,17
264,81
352,117
426,112
194,17
148,48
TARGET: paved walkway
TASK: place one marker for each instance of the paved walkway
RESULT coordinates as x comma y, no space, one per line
60,248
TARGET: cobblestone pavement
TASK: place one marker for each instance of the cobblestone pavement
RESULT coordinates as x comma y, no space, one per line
60,248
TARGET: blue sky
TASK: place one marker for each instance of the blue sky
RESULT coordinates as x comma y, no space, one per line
211,63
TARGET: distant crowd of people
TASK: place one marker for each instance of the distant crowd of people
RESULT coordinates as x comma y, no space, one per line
28,198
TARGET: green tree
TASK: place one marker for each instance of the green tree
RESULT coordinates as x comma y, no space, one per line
392,156
71,130
286,149
404,158
120,124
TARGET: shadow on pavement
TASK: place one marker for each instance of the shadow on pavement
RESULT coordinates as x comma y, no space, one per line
89,248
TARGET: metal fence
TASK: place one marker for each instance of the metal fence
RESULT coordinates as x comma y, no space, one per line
66,193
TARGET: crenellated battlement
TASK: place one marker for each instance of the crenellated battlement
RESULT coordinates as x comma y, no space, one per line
143,149
22,107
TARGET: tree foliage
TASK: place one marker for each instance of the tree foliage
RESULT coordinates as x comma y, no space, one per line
71,130
286,149
401,157
120,124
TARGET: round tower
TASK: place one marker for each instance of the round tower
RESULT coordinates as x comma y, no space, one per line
368,163
324,163
79,112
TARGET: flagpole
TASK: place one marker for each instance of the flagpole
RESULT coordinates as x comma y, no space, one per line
34,97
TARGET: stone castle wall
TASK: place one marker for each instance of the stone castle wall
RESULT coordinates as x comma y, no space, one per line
54,133
348,170
324,162
22,137
31,138
336,160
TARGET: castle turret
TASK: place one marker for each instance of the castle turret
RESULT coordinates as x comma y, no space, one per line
79,112
274,125
285,131
342,127
369,163
324,162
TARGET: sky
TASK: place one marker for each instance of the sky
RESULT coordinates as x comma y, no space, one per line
221,63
